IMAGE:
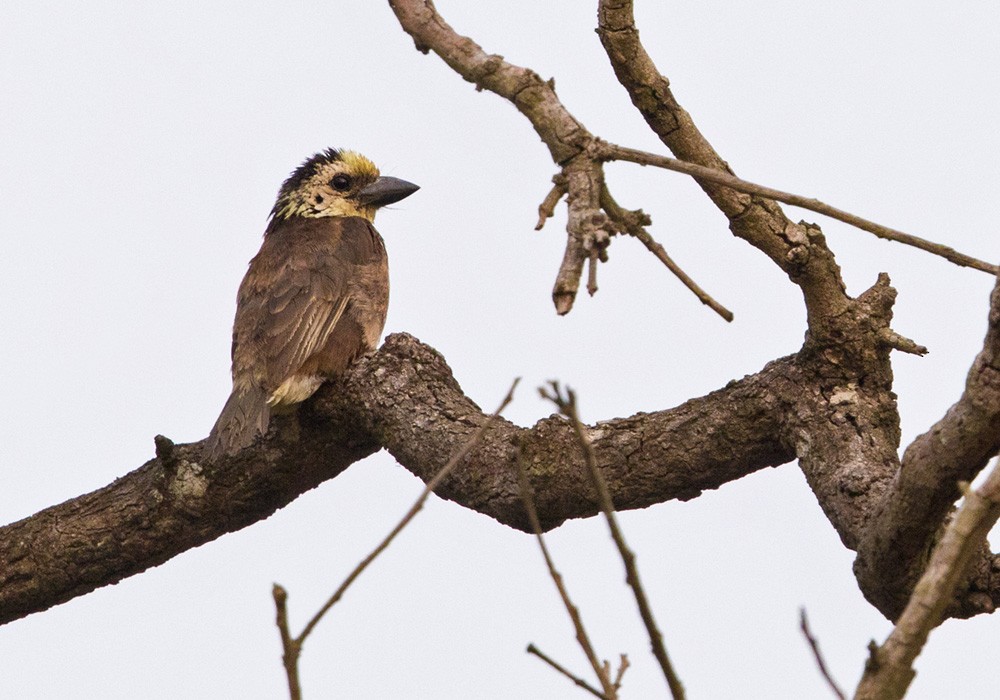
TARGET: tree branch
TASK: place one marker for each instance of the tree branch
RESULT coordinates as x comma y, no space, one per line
404,398
634,223
797,249
567,406
292,646
609,690
698,172
569,142
895,548
853,468
820,662
889,671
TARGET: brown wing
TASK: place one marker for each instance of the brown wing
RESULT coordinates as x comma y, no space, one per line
292,302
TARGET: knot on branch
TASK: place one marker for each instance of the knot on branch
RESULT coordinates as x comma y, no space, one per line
482,71
856,341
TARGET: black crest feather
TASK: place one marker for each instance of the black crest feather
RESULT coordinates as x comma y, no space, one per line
303,173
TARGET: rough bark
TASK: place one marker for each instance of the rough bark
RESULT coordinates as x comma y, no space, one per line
403,398
831,405
896,547
890,511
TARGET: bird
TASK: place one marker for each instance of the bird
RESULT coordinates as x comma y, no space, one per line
315,296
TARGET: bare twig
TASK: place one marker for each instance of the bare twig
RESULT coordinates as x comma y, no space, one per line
614,152
293,646
547,209
532,649
623,665
901,343
814,645
889,671
582,638
567,405
290,647
592,272
634,223
584,229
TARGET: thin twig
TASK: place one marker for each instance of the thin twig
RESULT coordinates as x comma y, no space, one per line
567,405
889,671
290,648
293,646
630,221
814,645
592,272
622,667
582,638
547,209
410,514
614,152
532,649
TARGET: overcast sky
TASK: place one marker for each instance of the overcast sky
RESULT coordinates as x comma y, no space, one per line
141,146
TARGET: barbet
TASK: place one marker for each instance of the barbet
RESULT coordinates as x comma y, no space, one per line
315,296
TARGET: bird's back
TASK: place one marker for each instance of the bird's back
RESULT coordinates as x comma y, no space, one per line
314,298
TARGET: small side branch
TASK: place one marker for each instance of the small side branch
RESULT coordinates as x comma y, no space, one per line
579,682
567,406
814,645
634,223
547,209
613,152
582,638
290,648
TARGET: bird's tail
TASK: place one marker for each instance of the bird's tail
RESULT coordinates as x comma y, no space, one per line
244,417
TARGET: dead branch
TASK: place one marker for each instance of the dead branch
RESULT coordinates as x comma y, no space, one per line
893,551
567,406
582,638
634,223
701,173
570,144
579,682
817,655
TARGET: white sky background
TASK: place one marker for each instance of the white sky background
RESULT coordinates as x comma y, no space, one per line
141,147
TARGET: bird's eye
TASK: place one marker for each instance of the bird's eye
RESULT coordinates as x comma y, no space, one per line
341,183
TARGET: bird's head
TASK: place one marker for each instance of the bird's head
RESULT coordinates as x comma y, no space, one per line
338,183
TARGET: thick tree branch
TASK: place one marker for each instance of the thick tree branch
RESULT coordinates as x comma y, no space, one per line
853,467
845,425
895,548
404,398
161,509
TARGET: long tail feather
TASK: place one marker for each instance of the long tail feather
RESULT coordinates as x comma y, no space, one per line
244,417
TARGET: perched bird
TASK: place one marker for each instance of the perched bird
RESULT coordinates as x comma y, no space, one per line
315,296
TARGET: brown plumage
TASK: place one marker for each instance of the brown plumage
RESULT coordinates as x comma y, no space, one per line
315,296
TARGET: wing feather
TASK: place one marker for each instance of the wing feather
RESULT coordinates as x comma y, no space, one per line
293,296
